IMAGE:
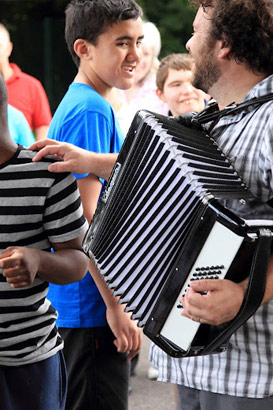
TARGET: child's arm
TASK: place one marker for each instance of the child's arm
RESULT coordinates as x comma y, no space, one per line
21,265
128,335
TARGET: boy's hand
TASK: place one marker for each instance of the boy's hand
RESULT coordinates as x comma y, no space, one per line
128,334
19,265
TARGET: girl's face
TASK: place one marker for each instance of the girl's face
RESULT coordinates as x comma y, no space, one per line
145,63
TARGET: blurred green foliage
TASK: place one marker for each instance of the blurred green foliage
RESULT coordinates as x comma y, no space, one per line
174,20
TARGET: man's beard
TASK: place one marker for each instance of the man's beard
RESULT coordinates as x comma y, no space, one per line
206,72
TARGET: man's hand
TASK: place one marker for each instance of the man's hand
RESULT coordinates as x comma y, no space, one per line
19,265
74,159
213,301
128,335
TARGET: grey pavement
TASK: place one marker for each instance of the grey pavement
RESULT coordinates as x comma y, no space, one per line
149,394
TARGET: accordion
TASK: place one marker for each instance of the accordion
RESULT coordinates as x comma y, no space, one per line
175,210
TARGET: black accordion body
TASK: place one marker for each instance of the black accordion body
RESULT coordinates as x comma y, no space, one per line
174,210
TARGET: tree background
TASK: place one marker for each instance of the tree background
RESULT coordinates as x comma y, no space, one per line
37,31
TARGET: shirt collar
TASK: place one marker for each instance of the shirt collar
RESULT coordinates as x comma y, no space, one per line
16,73
261,89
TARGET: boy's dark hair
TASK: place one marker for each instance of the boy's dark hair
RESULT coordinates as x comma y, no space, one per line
88,19
176,61
246,26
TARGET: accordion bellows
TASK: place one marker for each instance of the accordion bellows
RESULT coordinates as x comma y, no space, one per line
173,210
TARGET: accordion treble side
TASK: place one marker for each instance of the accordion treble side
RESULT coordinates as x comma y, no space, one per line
174,210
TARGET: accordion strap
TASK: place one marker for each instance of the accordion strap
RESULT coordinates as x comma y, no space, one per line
254,293
211,113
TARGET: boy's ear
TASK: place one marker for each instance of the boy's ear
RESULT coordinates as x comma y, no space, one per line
160,94
82,49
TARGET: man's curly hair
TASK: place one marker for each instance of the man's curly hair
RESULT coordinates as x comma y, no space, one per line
246,26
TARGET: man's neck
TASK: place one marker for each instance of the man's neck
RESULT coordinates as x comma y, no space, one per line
6,70
234,85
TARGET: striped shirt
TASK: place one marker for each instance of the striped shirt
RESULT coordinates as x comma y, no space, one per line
37,208
246,368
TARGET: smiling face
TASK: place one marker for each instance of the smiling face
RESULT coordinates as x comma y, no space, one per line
112,61
179,93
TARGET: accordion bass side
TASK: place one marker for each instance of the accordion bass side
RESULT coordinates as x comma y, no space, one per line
174,210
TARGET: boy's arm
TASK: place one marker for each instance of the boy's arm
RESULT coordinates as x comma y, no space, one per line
128,335
20,265
74,159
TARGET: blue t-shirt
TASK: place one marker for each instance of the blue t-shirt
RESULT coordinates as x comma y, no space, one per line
87,120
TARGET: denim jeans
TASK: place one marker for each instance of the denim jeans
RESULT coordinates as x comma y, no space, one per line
37,386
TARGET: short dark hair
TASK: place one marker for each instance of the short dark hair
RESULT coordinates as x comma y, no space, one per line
88,19
247,26
176,61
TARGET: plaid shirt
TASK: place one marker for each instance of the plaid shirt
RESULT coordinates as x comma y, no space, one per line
246,368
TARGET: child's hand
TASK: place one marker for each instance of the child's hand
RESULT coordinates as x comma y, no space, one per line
19,265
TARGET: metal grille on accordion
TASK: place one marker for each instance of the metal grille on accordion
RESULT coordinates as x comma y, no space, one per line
164,214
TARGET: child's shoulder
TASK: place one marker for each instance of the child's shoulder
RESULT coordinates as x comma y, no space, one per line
24,163
82,95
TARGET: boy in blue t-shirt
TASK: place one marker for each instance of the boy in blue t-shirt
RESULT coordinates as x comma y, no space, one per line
104,39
